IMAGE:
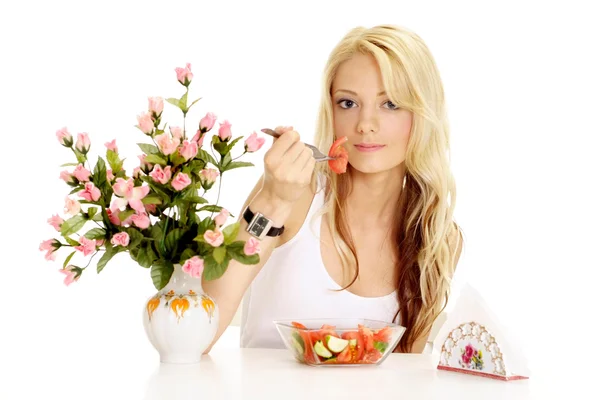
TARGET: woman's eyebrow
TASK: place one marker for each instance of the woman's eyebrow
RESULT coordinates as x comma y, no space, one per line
356,94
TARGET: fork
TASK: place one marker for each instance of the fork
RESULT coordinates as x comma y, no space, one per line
318,156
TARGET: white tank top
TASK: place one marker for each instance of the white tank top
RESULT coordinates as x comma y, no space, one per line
294,284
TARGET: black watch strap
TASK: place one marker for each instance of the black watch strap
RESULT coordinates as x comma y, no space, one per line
249,215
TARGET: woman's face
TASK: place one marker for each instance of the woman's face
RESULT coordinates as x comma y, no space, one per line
377,130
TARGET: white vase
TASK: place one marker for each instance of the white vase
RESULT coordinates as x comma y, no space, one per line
181,320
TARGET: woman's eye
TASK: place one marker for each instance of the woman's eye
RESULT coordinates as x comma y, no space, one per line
345,103
391,105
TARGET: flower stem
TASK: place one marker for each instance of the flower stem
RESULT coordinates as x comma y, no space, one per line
240,155
91,258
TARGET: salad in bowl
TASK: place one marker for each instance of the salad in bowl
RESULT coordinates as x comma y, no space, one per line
339,341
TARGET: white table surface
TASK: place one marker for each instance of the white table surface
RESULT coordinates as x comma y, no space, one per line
233,373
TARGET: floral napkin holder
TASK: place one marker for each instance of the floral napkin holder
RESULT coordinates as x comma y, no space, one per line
471,341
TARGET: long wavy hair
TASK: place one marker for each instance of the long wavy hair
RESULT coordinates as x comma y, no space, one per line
424,231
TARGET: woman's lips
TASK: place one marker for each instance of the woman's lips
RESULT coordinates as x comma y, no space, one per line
369,147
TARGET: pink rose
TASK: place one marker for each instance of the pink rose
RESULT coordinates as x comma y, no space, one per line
72,207
64,137
194,267
112,145
222,217
120,239
56,222
181,181
184,75
214,238
146,166
465,359
82,174
166,143
109,175
141,220
145,123
66,176
198,138
123,187
83,143
176,132
50,246
225,130
188,150
113,216
87,247
151,208
90,193
136,172
207,122
469,351
71,274
136,196
251,247
156,105
253,143
208,176
161,176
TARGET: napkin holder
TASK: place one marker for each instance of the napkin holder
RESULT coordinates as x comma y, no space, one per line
472,342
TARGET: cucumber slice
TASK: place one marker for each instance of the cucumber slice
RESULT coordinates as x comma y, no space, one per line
321,350
381,346
335,344
297,344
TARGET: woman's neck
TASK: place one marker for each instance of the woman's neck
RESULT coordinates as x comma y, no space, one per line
374,197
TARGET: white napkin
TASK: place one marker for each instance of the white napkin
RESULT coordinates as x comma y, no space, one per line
466,323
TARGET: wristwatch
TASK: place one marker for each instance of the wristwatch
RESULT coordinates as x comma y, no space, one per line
260,226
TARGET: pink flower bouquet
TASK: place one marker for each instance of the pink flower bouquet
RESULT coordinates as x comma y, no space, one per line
154,213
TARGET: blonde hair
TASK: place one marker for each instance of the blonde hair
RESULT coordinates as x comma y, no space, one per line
425,233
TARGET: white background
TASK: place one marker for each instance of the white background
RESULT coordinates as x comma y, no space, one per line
522,88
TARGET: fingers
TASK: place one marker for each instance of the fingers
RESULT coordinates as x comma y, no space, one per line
275,154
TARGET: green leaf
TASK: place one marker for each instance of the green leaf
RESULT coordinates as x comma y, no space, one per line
99,177
211,208
95,233
237,164
146,256
123,215
76,189
233,142
72,242
72,225
68,259
98,217
114,161
186,255
230,232
219,254
135,237
108,254
225,161
194,102
149,148
173,238
71,164
173,101
80,157
196,166
161,273
152,198
91,212
195,199
156,159
213,269
206,157
183,102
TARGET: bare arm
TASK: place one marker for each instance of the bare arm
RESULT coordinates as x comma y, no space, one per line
288,170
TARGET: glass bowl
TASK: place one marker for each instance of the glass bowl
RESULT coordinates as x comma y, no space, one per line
335,342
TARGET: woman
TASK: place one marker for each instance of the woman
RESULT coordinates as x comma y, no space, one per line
387,241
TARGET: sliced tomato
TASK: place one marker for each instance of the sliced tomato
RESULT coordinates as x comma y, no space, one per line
367,336
358,350
383,335
337,150
371,357
345,356
309,353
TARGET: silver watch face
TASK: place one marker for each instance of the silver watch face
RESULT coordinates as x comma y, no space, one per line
259,225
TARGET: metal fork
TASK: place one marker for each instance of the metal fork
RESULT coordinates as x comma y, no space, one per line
318,156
